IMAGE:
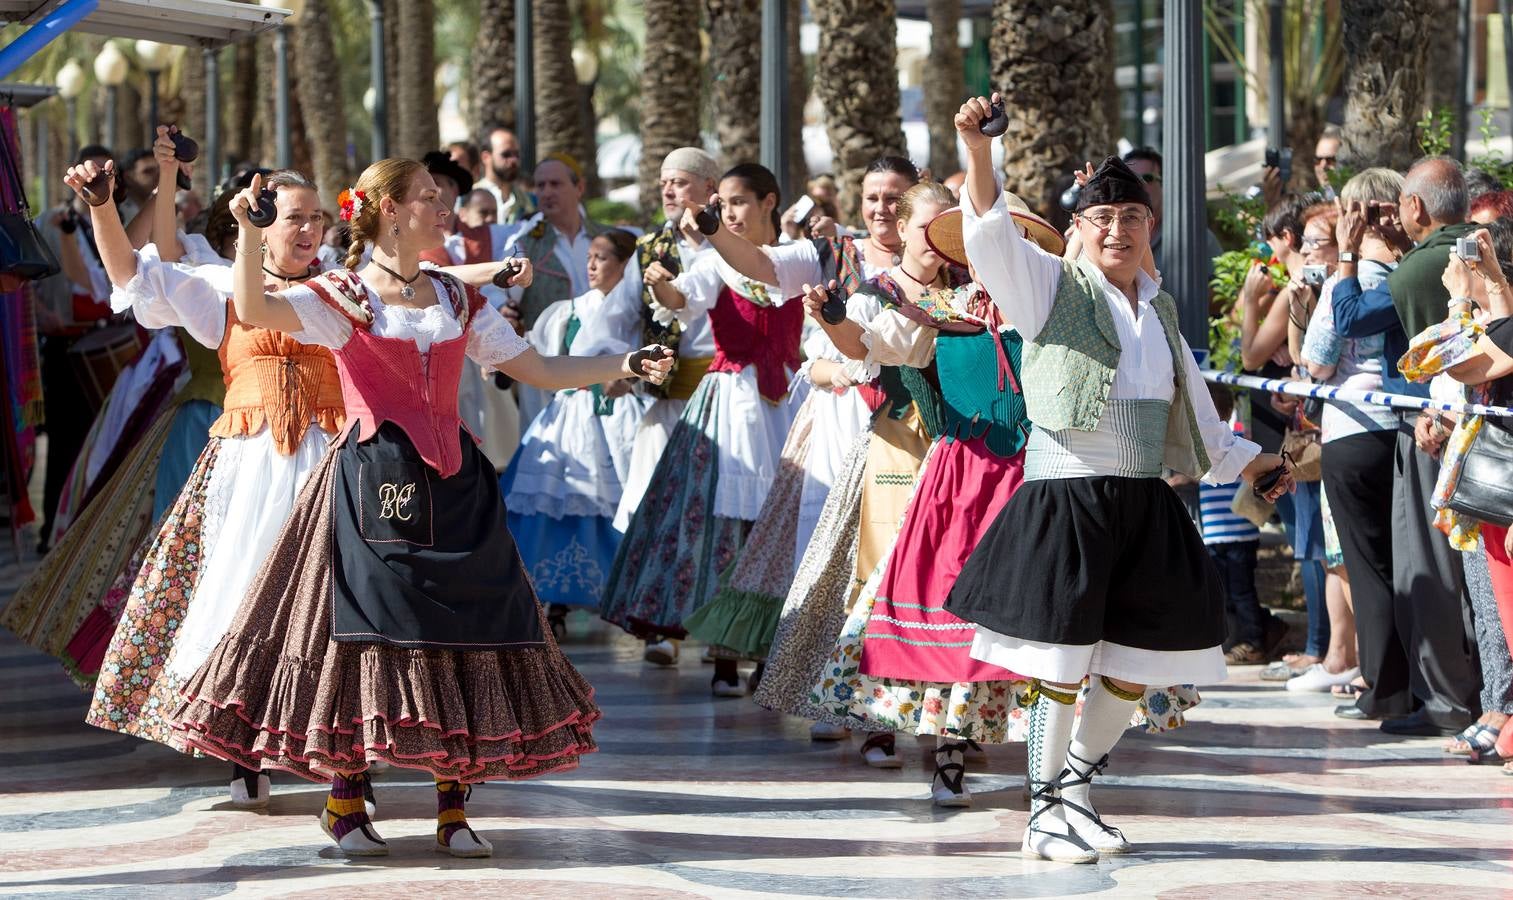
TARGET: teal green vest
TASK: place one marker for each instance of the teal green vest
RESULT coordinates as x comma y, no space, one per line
1069,367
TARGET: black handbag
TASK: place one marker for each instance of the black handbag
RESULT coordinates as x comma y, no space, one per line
1485,488
23,253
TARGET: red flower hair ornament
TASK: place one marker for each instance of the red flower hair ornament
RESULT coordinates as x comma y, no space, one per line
351,202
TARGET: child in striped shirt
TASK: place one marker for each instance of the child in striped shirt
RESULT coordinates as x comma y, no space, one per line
1232,542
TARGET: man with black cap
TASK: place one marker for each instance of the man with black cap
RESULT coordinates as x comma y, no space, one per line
1093,570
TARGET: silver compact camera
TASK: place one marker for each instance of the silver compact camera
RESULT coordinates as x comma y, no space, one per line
1467,249
1313,276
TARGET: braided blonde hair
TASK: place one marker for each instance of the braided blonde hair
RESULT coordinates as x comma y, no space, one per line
385,178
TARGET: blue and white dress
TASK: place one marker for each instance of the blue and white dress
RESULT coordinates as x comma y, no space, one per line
563,485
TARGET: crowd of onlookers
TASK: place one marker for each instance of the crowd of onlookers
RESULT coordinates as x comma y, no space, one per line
1391,282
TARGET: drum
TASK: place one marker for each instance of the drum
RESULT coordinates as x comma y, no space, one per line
98,358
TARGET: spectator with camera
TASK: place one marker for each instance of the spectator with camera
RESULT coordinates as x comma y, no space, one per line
1468,353
1302,237
1357,443
1425,681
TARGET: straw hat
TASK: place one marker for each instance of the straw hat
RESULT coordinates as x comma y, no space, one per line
943,234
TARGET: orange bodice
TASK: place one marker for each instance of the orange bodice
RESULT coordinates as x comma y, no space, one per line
274,380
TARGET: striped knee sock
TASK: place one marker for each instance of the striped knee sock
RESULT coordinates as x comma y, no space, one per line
344,805
451,817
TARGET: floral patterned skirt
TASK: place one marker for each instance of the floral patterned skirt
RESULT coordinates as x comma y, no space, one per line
815,608
670,561
135,692
739,622
856,530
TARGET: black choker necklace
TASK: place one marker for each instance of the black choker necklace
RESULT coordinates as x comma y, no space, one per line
910,276
281,276
405,291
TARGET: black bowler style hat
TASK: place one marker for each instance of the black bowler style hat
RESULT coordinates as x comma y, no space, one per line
438,163
1113,183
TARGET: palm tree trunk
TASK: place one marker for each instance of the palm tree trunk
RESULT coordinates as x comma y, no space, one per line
669,93
493,68
559,121
945,84
858,62
1049,59
391,71
419,131
1442,82
320,99
735,63
241,101
192,122
588,149
798,98
1385,56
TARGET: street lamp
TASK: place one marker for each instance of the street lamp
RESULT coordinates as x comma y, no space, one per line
110,71
281,125
585,65
70,82
154,57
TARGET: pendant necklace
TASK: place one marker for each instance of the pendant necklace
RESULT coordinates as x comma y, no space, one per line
405,290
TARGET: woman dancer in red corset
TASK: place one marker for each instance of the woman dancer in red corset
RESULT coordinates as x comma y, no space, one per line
393,619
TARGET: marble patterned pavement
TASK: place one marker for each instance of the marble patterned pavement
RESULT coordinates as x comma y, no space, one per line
1264,793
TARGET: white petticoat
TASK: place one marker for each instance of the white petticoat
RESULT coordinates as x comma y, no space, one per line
838,420
573,462
249,498
749,433
651,439
1069,663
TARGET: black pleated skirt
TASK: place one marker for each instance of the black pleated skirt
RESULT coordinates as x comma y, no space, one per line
1103,558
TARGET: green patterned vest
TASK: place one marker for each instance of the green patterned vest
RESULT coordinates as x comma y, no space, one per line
1069,367
550,282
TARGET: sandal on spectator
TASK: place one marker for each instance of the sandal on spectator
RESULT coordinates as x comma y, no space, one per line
1478,737
1348,691
1280,670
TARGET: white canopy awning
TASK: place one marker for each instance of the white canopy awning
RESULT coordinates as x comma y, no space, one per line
190,22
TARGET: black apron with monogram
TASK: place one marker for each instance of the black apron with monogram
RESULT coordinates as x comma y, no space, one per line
424,561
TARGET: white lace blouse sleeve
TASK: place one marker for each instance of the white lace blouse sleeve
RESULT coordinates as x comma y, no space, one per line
893,339
164,295
197,251
797,264
1228,453
1019,276
700,287
324,326
492,339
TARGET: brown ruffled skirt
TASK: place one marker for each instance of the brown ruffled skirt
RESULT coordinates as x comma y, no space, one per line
278,693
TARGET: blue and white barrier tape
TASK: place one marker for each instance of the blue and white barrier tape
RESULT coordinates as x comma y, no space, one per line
1328,392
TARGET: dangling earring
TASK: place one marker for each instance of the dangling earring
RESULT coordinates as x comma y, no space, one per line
396,229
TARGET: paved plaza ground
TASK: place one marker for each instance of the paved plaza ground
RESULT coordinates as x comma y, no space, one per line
1265,794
